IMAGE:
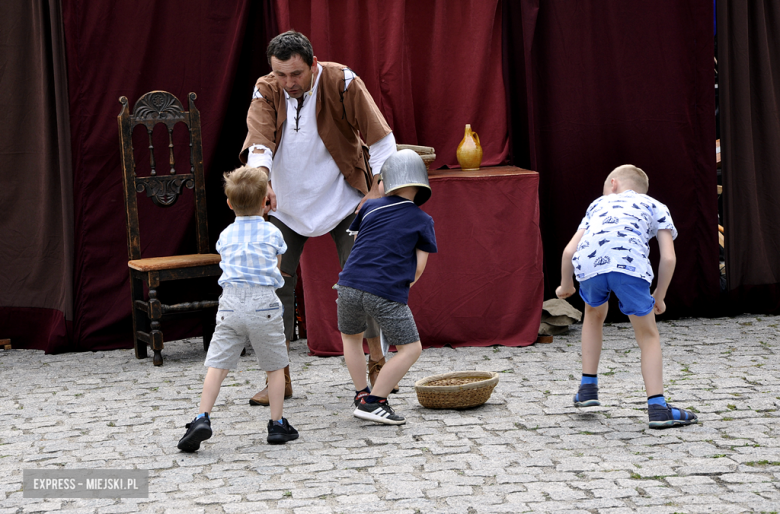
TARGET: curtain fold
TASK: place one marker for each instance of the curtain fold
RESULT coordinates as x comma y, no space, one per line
749,81
611,83
36,228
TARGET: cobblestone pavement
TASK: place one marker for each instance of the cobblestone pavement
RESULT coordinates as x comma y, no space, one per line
527,450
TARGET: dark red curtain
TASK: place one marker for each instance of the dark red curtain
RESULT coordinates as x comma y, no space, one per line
431,66
127,48
749,75
586,85
36,226
599,84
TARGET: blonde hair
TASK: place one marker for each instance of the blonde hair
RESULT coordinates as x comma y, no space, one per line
246,188
632,177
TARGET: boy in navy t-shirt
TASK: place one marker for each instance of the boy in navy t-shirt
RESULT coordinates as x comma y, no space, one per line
393,240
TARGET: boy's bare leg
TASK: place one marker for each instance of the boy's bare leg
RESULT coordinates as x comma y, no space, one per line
356,361
592,337
376,360
276,393
214,378
649,340
395,369
200,428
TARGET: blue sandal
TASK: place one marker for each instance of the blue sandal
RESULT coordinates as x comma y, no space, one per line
587,396
668,416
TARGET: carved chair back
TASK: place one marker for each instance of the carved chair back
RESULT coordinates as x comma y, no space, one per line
162,186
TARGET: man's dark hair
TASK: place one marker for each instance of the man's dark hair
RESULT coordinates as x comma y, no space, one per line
289,43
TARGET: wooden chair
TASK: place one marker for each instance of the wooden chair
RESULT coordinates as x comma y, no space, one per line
160,107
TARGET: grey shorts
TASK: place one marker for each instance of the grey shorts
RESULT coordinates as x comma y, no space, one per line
395,319
248,313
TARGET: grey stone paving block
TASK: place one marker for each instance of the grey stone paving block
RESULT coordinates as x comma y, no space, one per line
410,491
49,506
358,499
314,509
617,510
617,492
707,467
120,508
578,465
449,464
760,488
446,491
745,477
528,496
717,509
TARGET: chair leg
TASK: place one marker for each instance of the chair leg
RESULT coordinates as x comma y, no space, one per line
157,343
139,318
157,359
156,335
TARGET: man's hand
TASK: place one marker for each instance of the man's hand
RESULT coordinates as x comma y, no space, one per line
565,291
660,306
270,200
370,196
377,191
266,207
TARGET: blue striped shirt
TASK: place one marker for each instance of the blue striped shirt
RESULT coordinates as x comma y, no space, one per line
249,248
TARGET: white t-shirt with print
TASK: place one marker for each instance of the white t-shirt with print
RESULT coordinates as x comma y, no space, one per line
618,228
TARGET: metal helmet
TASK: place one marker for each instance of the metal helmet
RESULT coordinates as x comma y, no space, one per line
406,168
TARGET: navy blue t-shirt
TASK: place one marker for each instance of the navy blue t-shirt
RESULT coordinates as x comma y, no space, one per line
383,261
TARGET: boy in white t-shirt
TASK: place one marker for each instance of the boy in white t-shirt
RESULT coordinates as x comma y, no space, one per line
609,253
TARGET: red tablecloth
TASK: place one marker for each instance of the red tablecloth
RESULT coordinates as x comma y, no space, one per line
484,286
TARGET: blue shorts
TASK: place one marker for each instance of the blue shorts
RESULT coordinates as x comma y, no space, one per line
634,298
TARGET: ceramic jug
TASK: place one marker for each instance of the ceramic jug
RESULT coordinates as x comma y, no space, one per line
469,152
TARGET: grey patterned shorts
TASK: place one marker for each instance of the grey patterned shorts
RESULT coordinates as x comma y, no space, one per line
248,313
395,319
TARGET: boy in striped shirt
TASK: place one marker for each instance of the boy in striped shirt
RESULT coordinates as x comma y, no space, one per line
251,251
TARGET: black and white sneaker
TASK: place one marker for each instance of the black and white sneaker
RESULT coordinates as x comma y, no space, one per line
379,412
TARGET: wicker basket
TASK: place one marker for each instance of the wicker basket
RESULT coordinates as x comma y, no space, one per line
458,395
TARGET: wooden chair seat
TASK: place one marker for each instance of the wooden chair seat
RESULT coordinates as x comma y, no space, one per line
174,261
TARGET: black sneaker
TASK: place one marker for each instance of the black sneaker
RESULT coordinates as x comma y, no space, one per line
197,431
280,434
587,396
379,412
359,397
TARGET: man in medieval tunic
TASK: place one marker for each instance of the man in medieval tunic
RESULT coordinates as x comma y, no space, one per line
315,129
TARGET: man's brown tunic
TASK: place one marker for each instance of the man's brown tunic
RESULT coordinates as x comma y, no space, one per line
347,121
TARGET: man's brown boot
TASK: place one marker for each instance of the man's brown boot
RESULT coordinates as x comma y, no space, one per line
374,367
261,398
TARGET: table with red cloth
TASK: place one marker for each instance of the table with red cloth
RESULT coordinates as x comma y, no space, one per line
484,286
